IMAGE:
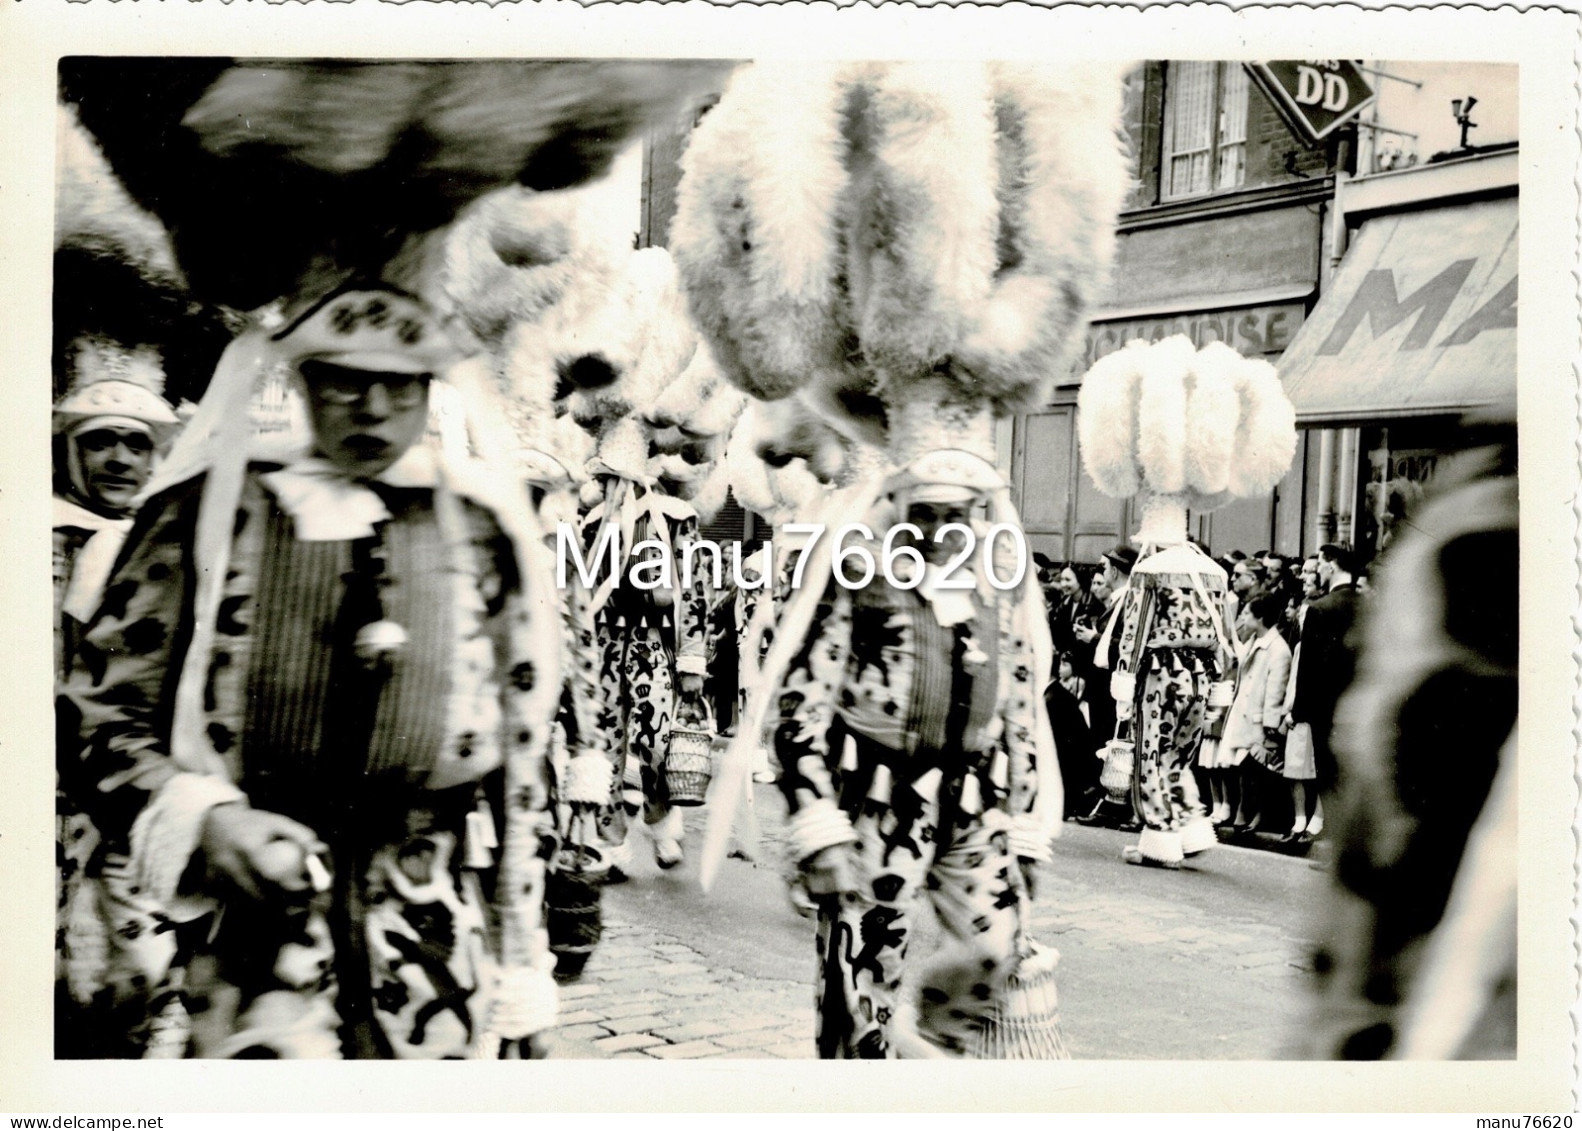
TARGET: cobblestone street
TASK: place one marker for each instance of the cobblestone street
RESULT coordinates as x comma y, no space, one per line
1206,963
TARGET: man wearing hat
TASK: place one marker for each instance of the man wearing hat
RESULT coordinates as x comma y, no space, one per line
107,430
314,702
1165,645
1116,571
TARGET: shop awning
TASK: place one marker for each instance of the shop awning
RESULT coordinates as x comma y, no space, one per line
1420,319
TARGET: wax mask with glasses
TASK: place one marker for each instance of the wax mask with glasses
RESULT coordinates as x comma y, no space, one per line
931,517
363,419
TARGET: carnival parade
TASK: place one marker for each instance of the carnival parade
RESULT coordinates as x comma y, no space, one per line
550,561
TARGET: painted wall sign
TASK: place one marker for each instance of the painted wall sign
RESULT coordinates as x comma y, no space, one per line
1252,331
1317,96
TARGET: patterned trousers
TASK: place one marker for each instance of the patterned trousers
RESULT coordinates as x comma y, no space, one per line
862,943
1168,723
637,706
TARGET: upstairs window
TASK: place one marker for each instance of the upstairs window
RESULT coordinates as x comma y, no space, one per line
1205,129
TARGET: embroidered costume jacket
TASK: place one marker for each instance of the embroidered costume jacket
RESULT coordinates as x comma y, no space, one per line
394,765
878,669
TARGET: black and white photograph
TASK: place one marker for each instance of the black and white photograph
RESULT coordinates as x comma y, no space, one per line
717,550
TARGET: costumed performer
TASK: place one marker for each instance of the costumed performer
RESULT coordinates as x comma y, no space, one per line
847,236
314,703
653,641
1183,429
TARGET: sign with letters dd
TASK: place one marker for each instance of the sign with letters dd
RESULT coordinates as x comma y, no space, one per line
1317,96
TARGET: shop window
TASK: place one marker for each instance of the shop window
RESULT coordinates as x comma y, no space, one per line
1205,129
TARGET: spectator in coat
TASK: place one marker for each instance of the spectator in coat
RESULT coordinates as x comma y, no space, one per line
1074,741
1328,658
1252,729
1110,585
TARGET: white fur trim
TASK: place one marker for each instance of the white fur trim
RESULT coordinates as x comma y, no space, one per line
818,825
1156,844
1029,838
588,779
526,1001
1197,835
169,828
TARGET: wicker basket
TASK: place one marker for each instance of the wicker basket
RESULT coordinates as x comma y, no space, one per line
1025,1022
572,912
1116,776
689,763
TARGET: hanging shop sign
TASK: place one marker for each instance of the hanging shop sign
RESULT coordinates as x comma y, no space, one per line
1316,96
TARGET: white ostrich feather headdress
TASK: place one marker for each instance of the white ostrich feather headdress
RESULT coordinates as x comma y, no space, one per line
1202,426
880,235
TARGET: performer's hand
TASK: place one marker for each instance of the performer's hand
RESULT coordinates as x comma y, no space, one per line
691,683
1123,709
259,852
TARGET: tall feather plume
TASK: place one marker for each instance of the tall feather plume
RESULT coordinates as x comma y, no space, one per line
1266,435
780,490
754,232
526,272
521,256
689,424
1107,422
119,299
923,215
1200,426
1161,414
852,231
644,335
1213,411
94,211
1061,182
748,474
280,177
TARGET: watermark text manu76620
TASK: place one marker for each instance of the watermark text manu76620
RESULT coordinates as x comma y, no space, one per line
898,560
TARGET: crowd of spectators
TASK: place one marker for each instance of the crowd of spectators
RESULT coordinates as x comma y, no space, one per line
1265,758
